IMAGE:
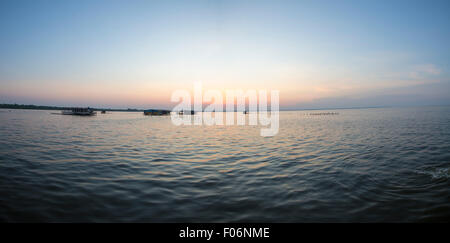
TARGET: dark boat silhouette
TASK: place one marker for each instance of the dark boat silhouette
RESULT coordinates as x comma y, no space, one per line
153,112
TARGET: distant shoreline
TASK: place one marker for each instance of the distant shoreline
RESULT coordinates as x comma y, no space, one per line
43,107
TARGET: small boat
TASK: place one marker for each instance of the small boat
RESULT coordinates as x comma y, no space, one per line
152,112
245,112
79,112
186,112
103,112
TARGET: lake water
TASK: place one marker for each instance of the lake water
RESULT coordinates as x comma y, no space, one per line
362,165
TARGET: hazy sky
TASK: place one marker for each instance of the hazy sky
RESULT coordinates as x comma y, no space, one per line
135,53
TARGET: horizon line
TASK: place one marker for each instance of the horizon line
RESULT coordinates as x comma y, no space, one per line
54,107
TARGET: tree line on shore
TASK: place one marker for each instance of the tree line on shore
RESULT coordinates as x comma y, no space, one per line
43,107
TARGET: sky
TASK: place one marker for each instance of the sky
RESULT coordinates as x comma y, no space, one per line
318,54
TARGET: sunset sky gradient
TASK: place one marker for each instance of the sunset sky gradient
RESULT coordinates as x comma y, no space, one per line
136,53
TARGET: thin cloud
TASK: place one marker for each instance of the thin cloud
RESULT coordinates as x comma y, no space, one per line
424,71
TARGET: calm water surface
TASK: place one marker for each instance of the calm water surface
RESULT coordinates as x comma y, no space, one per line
362,165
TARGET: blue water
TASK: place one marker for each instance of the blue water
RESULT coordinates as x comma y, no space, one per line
362,165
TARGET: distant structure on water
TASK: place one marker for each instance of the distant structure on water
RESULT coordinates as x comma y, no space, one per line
79,111
186,112
324,114
152,112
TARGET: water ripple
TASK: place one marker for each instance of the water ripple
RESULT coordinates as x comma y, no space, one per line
365,165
